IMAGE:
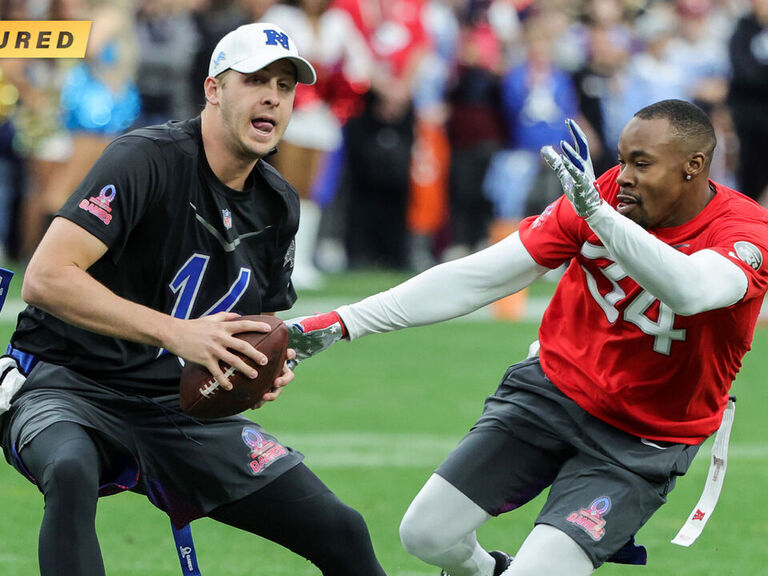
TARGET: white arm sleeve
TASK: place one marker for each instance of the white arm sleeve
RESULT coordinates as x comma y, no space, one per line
445,291
688,284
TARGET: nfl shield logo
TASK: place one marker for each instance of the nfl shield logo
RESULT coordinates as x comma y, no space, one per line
226,217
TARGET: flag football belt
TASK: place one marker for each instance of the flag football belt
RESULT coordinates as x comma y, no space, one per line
714,484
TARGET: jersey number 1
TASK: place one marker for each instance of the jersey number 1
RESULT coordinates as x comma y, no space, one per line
186,285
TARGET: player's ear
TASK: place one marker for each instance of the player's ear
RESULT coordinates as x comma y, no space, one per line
694,165
212,88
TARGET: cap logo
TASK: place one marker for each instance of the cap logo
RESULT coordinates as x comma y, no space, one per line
274,38
219,57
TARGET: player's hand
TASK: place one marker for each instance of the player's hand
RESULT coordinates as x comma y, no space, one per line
308,335
575,172
580,156
211,340
280,382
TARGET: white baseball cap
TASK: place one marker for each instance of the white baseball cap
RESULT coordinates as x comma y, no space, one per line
254,46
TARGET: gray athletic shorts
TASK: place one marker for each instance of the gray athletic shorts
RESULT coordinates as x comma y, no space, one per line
186,467
605,483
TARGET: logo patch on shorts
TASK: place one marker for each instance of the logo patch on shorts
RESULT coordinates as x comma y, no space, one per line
263,451
591,519
749,253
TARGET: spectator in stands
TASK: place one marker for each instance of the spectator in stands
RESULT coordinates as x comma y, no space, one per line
600,89
748,98
475,129
167,41
378,143
536,98
99,99
329,38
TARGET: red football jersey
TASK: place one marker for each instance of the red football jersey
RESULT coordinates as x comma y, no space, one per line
624,356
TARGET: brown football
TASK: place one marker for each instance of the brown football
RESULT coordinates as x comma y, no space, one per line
203,397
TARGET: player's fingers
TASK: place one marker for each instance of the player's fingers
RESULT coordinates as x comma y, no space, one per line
572,155
272,395
239,326
221,317
579,138
219,375
569,167
238,364
285,378
556,162
552,158
246,349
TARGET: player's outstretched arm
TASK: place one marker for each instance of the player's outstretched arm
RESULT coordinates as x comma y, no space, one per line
443,292
687,283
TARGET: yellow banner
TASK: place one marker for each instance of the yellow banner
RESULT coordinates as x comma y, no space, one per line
44,38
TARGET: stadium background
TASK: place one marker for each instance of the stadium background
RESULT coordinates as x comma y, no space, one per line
375,417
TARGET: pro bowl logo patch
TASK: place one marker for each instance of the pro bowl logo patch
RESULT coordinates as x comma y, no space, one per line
749,253
591,519
99,205
262,451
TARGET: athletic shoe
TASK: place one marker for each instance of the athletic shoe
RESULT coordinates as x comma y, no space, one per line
503,560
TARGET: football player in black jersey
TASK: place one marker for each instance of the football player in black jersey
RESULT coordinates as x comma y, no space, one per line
176,230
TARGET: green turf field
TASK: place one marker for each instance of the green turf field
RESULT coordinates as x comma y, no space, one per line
374,418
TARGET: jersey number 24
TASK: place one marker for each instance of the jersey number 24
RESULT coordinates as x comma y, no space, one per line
662,329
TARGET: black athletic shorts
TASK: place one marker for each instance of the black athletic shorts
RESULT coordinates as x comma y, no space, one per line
605,483
186,467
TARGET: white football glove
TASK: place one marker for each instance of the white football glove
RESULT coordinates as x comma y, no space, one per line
309,335
11,379
575,172
580,157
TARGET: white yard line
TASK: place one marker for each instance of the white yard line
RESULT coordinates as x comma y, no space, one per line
403,450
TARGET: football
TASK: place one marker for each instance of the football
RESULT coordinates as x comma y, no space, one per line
202,396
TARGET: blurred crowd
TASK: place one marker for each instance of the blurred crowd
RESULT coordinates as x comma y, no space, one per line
420,141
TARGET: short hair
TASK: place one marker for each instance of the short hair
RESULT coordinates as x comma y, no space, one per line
689,122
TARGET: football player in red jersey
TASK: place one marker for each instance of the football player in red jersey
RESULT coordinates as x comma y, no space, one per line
638,349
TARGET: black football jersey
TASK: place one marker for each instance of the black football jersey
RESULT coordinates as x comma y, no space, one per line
180,242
